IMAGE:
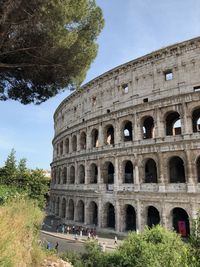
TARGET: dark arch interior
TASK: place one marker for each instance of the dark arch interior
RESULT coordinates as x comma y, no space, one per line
128,172
130,218
95,138
171,119
177,171
111,172
198,170
110,135
111,216
128,136
148,127
150,171
71,210
153,216
196,120
181,221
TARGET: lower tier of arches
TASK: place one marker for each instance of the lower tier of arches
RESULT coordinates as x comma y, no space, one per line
122,215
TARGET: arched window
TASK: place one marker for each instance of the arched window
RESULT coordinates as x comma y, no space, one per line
93,213
93,175
176,170
130,218
180,220
81,174
66,145
128,172
63,208
59,176
109,216
83,141
109,135
95,138
64,175
148,128
198,169
196,120
150,171
72,175
74,143
108,173
61,148
71,210
80,212
58,206
153,216
173,124
127,132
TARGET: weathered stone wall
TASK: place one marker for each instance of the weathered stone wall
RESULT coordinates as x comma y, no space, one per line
129,140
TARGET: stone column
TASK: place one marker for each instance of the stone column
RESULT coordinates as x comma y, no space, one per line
161,173
117,217
137,128
78,136
88,138
117,132
160,129
99,180
76,172
86,172
101,137
136,178
100,214
116,177
187,120
139,219
190,179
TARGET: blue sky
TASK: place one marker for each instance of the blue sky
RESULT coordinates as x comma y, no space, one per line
132,28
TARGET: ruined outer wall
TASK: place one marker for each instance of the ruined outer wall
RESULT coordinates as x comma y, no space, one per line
107,101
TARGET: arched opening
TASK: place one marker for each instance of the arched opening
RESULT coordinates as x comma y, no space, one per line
59,176
83,141
108,173
80,212
130,218
127,132
150,171
53,210
61,148
63,208
153,216
198,169
72,175
53,176
64,175
81,174
128,172
109,216
95,138
58,206
180,220
66,145
71,210
93,213
196,120
176,170
173,124
109,135
74,143
93,173
148,128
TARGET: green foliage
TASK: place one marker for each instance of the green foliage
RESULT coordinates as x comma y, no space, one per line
19,180
195,238
46,46
72,257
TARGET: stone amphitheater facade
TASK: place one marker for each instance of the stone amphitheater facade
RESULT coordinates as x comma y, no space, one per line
126,151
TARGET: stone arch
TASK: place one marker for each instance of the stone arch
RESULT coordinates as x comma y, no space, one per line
196,120
148,127
63,208
53,205
72,175
70,215
93,213
64,175
67,145
127,131
198,169
57,211
128,171
180,221
130,218
59,176
173,123
95,138
109,134
108,216
74,143
108,173
153,216
81,174
93,173
53,175
150,171
61,148
80,211
176,170
83,141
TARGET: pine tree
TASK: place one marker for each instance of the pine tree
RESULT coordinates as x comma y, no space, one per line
9,171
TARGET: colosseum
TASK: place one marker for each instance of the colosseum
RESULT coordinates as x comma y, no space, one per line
127,145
